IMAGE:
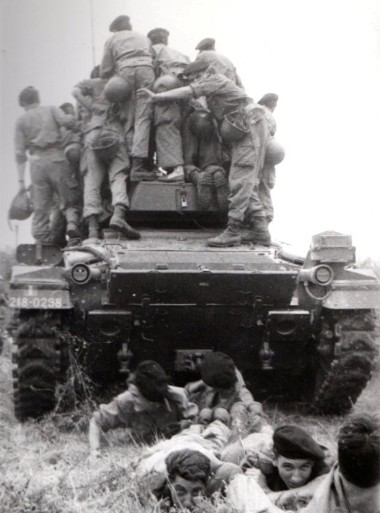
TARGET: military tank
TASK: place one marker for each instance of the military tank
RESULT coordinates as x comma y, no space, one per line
299,328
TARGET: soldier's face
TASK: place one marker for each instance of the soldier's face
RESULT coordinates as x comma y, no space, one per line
184,493
294,473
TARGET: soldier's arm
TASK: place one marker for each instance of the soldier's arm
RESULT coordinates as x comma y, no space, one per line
20,154
62,119
107,64
83,98
181,93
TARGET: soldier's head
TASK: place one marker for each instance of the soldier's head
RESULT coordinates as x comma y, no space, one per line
359,450
120,23
194,71
269,100
296,455
159,36
188,473
218,371
151,381
68,108
28,96
206,44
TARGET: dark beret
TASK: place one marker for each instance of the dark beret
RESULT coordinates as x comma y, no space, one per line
158,32
195,67
206,44
269,97
151,380
188,464
218,370
119,23
28,96
294,442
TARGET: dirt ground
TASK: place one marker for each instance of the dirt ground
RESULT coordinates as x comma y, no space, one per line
44,466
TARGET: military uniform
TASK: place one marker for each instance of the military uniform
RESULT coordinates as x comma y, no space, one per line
38,132
220,64
247,155
129,54
94,170
145,423
268,173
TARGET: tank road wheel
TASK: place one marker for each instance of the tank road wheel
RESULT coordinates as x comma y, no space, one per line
37,365
348,350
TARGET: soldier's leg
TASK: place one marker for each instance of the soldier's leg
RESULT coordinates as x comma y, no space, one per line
42,194
92,185
167,118
144,78
128,108
267,182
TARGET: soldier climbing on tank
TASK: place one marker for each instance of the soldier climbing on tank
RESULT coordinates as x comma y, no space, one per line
128,54
221,64
105,157
244,126
38,134
168,64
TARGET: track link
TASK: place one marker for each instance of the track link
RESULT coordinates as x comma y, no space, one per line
37,365
345,373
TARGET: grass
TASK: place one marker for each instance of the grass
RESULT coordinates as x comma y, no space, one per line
44,466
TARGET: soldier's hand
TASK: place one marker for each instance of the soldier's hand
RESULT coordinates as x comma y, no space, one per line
145,94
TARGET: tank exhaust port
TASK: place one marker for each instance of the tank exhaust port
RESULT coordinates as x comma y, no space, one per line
81,274
317,281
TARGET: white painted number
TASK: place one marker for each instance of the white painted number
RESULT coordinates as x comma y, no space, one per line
36,302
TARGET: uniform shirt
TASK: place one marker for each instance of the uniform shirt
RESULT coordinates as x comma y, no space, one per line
272,125
222,95
168,60
208,397
146,419
39,129
220,64
98,105
123,49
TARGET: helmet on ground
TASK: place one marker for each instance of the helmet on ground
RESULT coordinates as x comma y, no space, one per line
21,207
117,89
165,83
274,153
201,123
233,128
73,153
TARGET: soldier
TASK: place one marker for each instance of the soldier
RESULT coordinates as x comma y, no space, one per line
129,55
38,133
103,122
229,104
168,63
221,64
149,408
353,485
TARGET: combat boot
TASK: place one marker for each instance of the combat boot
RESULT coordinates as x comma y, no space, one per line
177,175
119,223
72,219
139,173
93,227
258,232
230,236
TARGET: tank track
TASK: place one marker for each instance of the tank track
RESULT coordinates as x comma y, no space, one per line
345,372
37,365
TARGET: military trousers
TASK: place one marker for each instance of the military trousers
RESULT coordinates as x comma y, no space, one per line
200,151
247,158
137,112
96,172
167,130
267,182
51,174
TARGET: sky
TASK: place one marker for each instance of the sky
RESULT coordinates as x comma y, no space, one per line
322,57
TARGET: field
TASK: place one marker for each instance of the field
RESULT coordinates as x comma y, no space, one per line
44,466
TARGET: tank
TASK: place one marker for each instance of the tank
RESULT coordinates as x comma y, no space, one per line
299,328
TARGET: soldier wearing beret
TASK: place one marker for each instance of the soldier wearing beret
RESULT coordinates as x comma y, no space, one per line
230,105
149,408
221,64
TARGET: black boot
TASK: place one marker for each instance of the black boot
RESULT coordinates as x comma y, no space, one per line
258,232
72,219
139,173
230,236
119,223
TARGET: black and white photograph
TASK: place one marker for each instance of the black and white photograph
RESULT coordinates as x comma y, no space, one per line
190,256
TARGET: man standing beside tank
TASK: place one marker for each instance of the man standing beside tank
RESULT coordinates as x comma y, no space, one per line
168,64
38,134
128,54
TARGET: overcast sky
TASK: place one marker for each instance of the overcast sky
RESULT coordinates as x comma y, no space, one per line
321,56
